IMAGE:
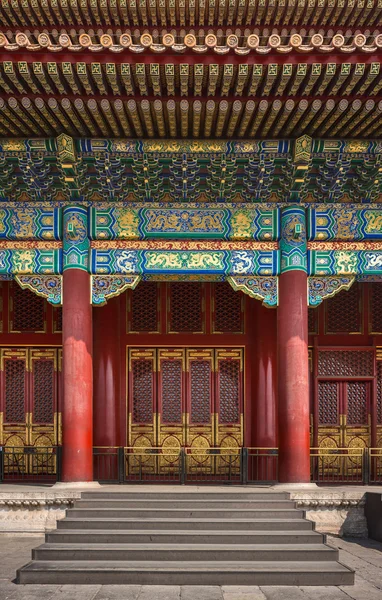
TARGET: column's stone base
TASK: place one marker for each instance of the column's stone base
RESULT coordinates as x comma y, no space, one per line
75,485
295,486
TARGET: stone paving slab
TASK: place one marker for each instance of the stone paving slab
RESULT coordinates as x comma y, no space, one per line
364,555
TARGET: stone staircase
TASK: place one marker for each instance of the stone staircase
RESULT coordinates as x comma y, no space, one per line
185,538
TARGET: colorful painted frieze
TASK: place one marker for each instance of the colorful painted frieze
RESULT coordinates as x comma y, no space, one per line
30,261
123,222
345,262
27,222
344,223
224,262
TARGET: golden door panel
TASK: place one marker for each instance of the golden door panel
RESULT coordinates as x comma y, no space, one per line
142,398
15,430
229,398
185,397
171,398
43,397
343,420
200,425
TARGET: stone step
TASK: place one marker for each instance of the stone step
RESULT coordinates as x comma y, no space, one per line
125,537
205,526
154,503
244,493
187,513
186,573
183,552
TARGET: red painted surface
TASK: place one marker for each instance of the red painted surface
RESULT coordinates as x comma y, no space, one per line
264,377
77,421
106,378
293,377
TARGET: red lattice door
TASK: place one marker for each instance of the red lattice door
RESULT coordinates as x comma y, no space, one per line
29,412
357,414
15,416
43,420
201,417
171,398
142,398
28,404
229,398
344,414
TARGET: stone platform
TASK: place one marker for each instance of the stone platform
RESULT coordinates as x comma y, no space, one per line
337,510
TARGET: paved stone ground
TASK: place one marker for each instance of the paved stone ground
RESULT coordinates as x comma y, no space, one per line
365,556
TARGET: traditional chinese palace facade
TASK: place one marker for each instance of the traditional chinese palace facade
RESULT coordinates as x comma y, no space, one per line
190,235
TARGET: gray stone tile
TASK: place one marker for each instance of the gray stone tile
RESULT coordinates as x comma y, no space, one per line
242,592
201,592
282,592
324,593
77,592
362,590
118,592
159,592
6,589
34,592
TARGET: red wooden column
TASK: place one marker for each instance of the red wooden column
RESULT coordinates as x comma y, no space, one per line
77,419
264,377
106,349
293,370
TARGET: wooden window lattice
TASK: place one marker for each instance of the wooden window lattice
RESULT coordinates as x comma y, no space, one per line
171,371
14,391
379,393
43,391
228,314
312,320
327,403
229,391
345,363
375,307
28,310
357,402
142,391
343,313
58,319
144,307
200,374
186,307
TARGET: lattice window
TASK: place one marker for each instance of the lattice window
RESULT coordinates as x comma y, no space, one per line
229,391
328,403
228,314
343,313
379,393
200,374
58,319
375,307
186,307
313,320
357,402
142,391
144,307
43,391
28,310
14,391
171,371
347,363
